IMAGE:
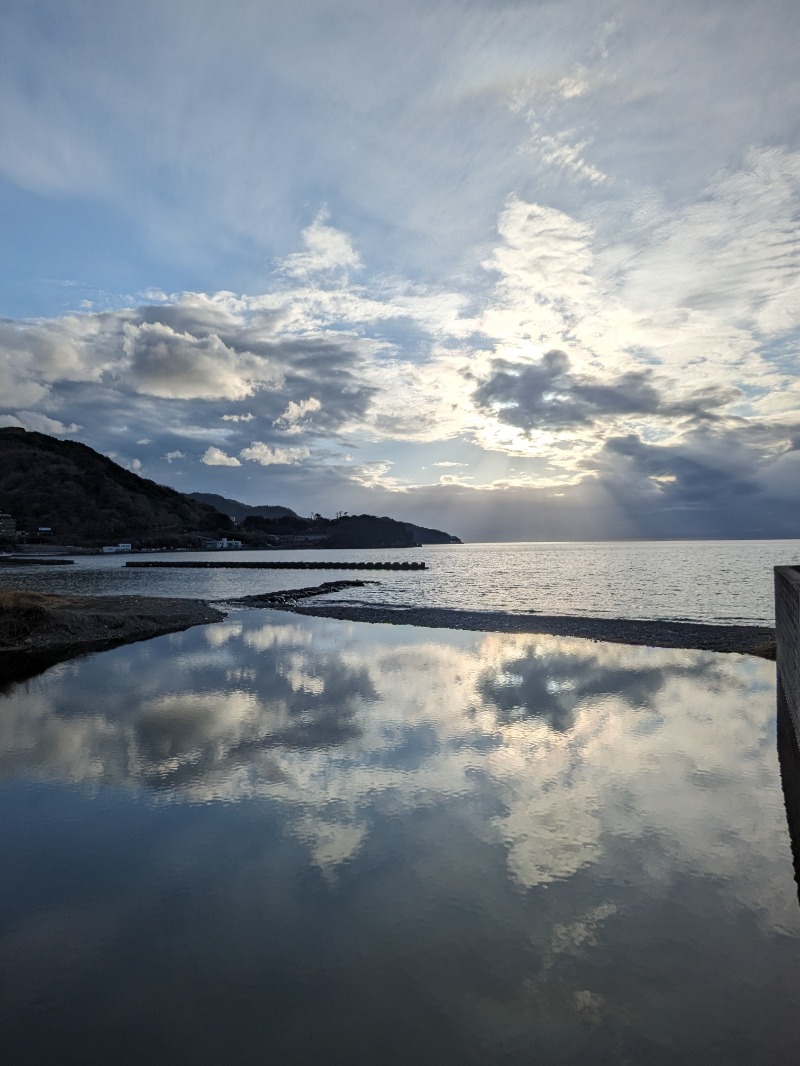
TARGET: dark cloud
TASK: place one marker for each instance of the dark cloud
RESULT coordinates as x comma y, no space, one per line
548,395
687,471
718,481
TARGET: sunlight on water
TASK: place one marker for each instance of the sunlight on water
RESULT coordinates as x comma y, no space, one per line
705,581
294,840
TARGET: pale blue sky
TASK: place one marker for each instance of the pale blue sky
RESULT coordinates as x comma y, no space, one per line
323,255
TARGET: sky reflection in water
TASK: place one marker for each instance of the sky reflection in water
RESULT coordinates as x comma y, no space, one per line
311,841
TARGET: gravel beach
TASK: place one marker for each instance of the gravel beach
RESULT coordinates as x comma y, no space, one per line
748,640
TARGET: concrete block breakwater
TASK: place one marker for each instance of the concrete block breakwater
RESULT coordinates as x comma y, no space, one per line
203,564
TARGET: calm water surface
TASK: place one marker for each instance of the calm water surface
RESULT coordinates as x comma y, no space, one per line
302,841
706,581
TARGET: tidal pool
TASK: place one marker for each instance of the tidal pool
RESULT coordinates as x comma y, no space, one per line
302,841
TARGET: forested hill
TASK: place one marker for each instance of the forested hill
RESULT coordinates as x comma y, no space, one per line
344,531
239,511
85,497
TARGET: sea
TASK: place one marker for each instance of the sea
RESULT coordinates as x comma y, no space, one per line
300,840
726,581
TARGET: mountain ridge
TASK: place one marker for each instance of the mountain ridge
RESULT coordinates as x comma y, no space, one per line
79,494
237,510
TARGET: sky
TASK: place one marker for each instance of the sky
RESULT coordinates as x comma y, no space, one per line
518,270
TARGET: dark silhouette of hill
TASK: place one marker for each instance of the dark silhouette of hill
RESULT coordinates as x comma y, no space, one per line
367,531
344,525
424,535
239,511
86,498
344,531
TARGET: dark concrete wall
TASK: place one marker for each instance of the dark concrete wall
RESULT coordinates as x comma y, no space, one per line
787,633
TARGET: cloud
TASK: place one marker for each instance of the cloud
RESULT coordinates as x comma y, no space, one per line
264,455
326,249
543,245
127,461
181,366
294,414
214,456
557,151
34,356
541,249
39,423
547,395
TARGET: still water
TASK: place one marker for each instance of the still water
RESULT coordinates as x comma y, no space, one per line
305,841
702,581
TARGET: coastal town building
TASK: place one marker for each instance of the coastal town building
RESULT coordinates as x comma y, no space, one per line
8,526
223,544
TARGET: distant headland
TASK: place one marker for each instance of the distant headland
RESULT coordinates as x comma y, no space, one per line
63,492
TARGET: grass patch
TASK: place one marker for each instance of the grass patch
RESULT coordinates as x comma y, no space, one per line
23,612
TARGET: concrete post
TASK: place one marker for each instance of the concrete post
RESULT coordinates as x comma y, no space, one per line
787,635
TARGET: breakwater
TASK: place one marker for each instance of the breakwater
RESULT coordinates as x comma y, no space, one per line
272,564
34,560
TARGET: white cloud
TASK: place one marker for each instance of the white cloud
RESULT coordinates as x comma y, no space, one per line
214,456
735,253
291,419
39,423
326,249
557,152
176,365
126,461
375,475
266,455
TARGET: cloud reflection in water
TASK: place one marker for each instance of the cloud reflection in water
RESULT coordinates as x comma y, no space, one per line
575,743
513,822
